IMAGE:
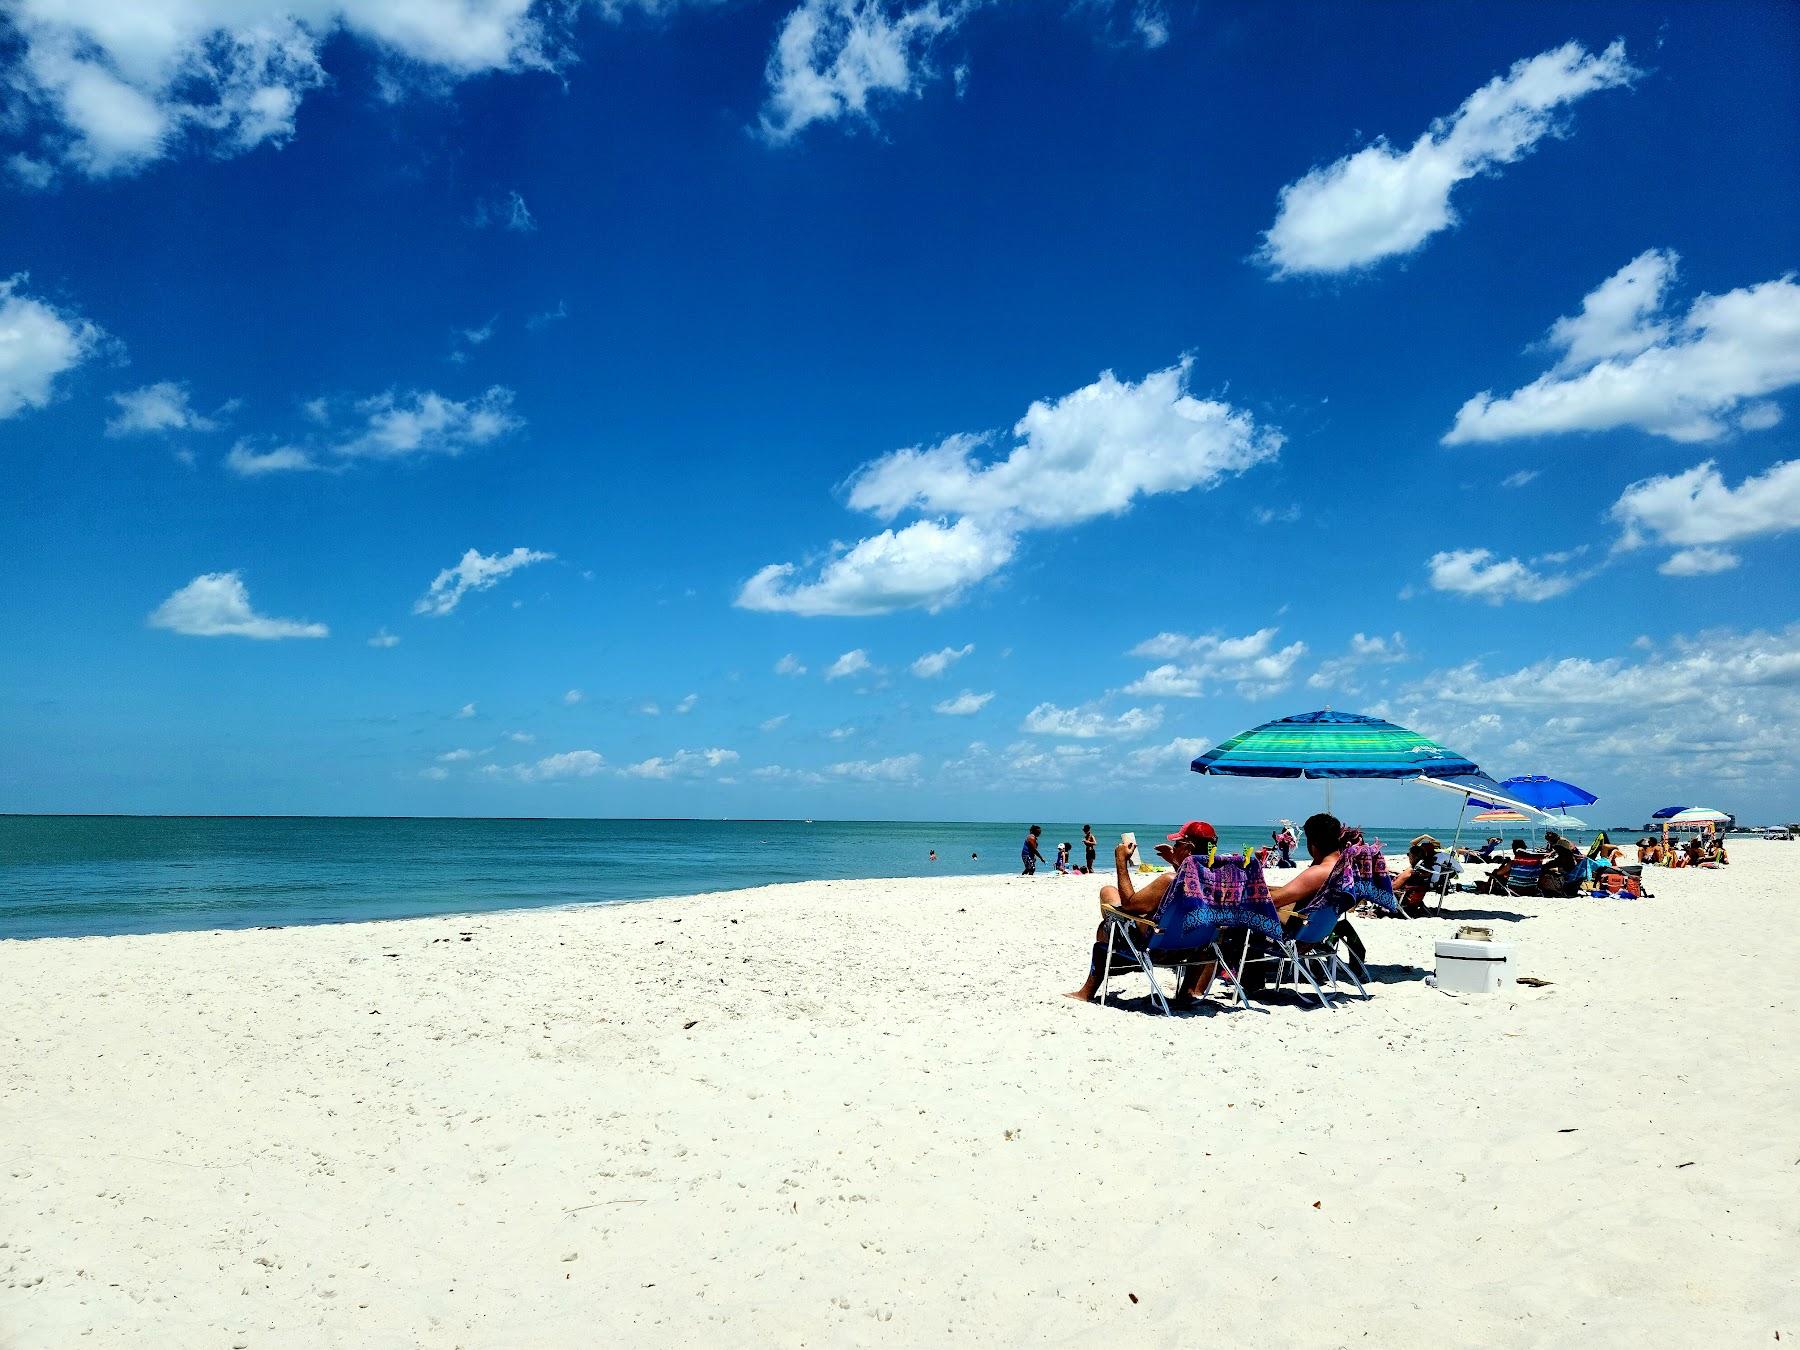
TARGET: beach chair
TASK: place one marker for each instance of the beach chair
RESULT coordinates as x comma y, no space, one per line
1316,952
1443,878
1201,905
1524,873
1324,945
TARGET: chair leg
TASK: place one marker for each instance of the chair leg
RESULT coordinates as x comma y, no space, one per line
1237,984
1106,970
1338,963
1306,970
1143,959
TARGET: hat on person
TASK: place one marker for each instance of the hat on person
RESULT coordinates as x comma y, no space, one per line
1195,832
1419,840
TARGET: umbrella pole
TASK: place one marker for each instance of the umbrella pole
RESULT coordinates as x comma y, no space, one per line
1456,842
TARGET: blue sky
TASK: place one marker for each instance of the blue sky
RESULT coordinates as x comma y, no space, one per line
884,409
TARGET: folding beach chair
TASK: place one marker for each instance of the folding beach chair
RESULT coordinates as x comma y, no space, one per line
1184,931
1524,873
1443,878
1316,952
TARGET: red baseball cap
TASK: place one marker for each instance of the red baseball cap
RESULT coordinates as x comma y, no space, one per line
1196,832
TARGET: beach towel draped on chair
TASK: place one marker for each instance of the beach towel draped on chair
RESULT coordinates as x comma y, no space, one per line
1201,904
1319,943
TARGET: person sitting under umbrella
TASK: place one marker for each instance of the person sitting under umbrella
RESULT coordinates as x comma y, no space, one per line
1324,842
1421,874
1195,837
1561,876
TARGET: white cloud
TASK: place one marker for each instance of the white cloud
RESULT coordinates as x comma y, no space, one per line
216,604
504,213
110,87
682,764
162,406
466,711
1707,707
1364,650
1696,511
965,704
572,696
775,773
1759,417
1692,672
927,565
435,773
38,343
650,709
456,756
383,638
1252,662
568,764
686,705
542,320
833,57
1151,24
850,663
427,423
1619,317
1092,453
247,462
933,664
1178,754
1624,362
841,733
388,426
1089,723
789,665
1519,478
1477,572
1026,762
1698,562
520,737
894,769
774,723
474,572
1381,202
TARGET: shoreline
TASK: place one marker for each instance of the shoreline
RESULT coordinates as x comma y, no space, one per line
861,1113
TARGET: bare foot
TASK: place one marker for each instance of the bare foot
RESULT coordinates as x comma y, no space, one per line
1080,996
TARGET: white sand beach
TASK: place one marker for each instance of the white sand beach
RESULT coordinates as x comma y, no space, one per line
860,1113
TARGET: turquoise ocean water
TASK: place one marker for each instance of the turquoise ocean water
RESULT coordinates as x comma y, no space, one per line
88,875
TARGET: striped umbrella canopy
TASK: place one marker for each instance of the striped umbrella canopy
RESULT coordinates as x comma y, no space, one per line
1329,744
1500,817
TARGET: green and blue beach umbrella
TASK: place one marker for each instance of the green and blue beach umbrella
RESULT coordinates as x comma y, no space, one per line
1327,744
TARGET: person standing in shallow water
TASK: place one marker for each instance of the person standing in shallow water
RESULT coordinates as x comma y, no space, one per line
1088,843
1029,853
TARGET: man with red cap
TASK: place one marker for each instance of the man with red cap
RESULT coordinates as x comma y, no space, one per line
1194,837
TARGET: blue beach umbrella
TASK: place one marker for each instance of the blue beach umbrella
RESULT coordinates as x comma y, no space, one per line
1666,812
1547,794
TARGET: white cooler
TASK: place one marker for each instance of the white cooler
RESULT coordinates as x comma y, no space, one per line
1465,967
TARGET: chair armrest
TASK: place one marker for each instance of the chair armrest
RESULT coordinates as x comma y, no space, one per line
1123,916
